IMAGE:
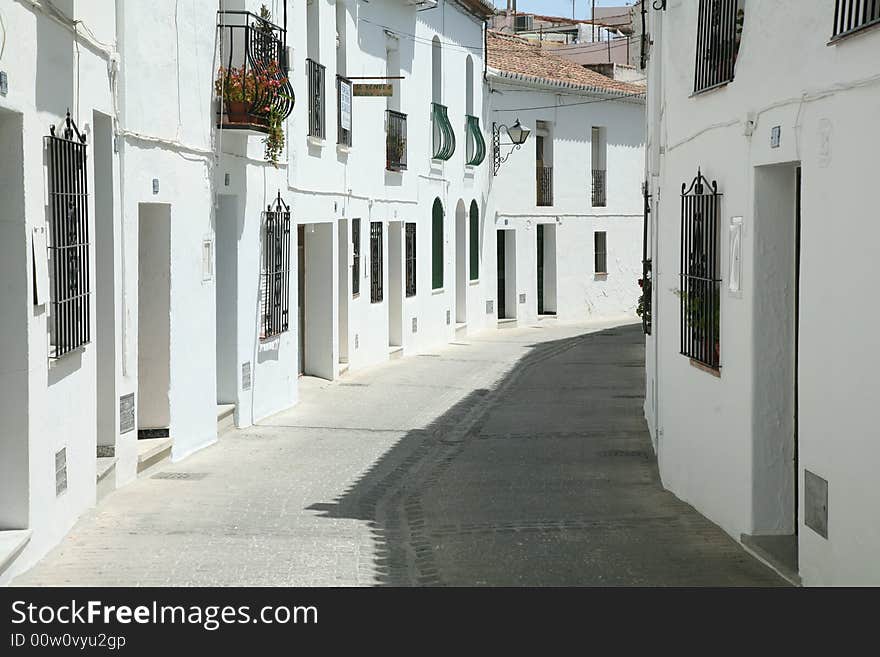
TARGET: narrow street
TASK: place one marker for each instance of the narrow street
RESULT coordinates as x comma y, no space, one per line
518,457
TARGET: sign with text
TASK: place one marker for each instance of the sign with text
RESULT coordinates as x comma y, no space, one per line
373,90
345,104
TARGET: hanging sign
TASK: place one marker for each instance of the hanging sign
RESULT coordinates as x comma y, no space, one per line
345,104
373,90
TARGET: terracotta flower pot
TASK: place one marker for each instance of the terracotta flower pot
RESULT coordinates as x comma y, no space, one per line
238,112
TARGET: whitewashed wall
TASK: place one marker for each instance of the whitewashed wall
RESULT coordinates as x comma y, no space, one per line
581,294
712,431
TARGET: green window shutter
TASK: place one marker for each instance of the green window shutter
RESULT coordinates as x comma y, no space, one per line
475,241
437,245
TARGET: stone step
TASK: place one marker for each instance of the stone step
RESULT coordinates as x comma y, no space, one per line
105,476
461,330
395,352
12,542
225,418
507,323
152,451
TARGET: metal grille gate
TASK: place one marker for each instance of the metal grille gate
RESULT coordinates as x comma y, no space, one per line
276,269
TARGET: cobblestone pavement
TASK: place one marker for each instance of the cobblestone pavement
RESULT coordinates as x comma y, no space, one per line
517,457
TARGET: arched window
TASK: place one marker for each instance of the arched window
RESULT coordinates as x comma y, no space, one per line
437,245
474,230
469,86
436,71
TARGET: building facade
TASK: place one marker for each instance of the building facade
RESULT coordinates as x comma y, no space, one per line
759,358
568,225
246,192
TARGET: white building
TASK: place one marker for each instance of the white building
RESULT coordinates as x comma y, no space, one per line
167,274
761,363
566,206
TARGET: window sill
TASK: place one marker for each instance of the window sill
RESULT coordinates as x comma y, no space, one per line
343,148
474,281
357,295
438,290
705,368
714,87
859,30
600,276
315,141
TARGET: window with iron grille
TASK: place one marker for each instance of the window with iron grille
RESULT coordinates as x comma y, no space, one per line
600,254
700,291
437,245
475,241
410,260
645,282
853,15
375,261
719,27
356,257
275,298
68,239
315,74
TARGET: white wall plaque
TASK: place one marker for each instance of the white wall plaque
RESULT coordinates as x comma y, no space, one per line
41,266
734,278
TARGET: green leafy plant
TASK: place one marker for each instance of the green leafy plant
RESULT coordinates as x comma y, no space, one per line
703,313
274,140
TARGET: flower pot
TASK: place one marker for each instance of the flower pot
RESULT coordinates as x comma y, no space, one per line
237,112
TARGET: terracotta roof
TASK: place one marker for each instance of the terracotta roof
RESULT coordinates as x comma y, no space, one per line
516,58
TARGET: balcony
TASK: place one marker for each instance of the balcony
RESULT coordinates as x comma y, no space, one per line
343,111
544,179
252,86
444,137
599,188
476,145
395,141
315,76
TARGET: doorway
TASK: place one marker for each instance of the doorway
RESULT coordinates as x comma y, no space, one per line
344,294
226,290
105,287
153,324
776,331
546,261
315,286
461,263
301,298
506,273
395,284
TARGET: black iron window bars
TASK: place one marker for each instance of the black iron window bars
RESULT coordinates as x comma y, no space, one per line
355,257
599,176
315,75
410,260
344,92
69,238
718,28
275,298
252,85
853,15
700,291
544,181
375,261
644,308
395,141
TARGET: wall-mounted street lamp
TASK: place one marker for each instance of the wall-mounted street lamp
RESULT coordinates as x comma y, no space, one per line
518,134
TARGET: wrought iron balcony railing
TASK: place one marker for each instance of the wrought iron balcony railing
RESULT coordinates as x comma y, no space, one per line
315,75
344,94
252,85
544,178
599,188
444,137
395,141
476,145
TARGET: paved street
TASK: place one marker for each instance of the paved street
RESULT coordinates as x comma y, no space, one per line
517,457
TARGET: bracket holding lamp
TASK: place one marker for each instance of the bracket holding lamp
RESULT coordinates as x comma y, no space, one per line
518,134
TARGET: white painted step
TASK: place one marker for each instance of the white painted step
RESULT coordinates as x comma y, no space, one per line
152,451
225,418
395,352
507,323
12,542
